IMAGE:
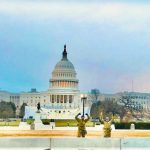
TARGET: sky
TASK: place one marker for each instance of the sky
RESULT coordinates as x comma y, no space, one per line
107,41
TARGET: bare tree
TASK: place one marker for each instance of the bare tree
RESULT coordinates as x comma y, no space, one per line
130,104
108,107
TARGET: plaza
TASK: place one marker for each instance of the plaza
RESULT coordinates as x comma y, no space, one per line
62,138
75,143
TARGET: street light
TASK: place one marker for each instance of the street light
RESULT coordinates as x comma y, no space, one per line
83,98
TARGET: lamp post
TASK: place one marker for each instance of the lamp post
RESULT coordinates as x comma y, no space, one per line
83,98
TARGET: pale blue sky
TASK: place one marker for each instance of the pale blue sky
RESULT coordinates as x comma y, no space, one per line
108,43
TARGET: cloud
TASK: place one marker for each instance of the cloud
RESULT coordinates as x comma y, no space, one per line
99,28
141,82
127,16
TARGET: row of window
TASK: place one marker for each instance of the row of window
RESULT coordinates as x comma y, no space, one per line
64,75
108,98
64,84
137,97
14,97
56,99
37,101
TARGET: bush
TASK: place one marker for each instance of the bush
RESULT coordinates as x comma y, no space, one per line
142,125
138,125
46,121
122,125
30,121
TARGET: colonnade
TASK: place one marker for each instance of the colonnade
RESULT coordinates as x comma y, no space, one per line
61,98
64,84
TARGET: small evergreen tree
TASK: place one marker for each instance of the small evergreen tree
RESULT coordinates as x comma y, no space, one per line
7,110
22,110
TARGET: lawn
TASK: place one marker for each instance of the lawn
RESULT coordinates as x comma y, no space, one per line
10,123
62,123
71,123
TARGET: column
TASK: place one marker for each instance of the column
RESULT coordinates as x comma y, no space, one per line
69,84
50,98
67,101
55,98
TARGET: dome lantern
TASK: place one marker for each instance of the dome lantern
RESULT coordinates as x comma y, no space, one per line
64,53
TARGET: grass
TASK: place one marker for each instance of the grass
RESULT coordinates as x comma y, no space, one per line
71,123
10,123
62,123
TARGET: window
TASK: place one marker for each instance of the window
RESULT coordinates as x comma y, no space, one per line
58,97
70,98
52,98
65,98
61,99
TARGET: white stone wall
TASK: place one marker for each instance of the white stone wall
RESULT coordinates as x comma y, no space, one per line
31,99
10,97
4,96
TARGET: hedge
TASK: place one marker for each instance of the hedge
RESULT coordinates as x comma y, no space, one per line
142,125
46,121
138,125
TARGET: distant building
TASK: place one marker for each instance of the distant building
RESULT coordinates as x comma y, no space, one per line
139,99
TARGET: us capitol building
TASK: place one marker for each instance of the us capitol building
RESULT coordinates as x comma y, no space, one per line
61,101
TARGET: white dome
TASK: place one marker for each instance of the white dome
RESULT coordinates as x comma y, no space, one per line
64,64
64,74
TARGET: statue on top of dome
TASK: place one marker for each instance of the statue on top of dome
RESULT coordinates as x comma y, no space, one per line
64,53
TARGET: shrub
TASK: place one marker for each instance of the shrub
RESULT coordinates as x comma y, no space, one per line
46,121
30,121
122,125
142,125
138,125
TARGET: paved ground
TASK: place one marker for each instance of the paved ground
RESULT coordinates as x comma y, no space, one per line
47,143
72,133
